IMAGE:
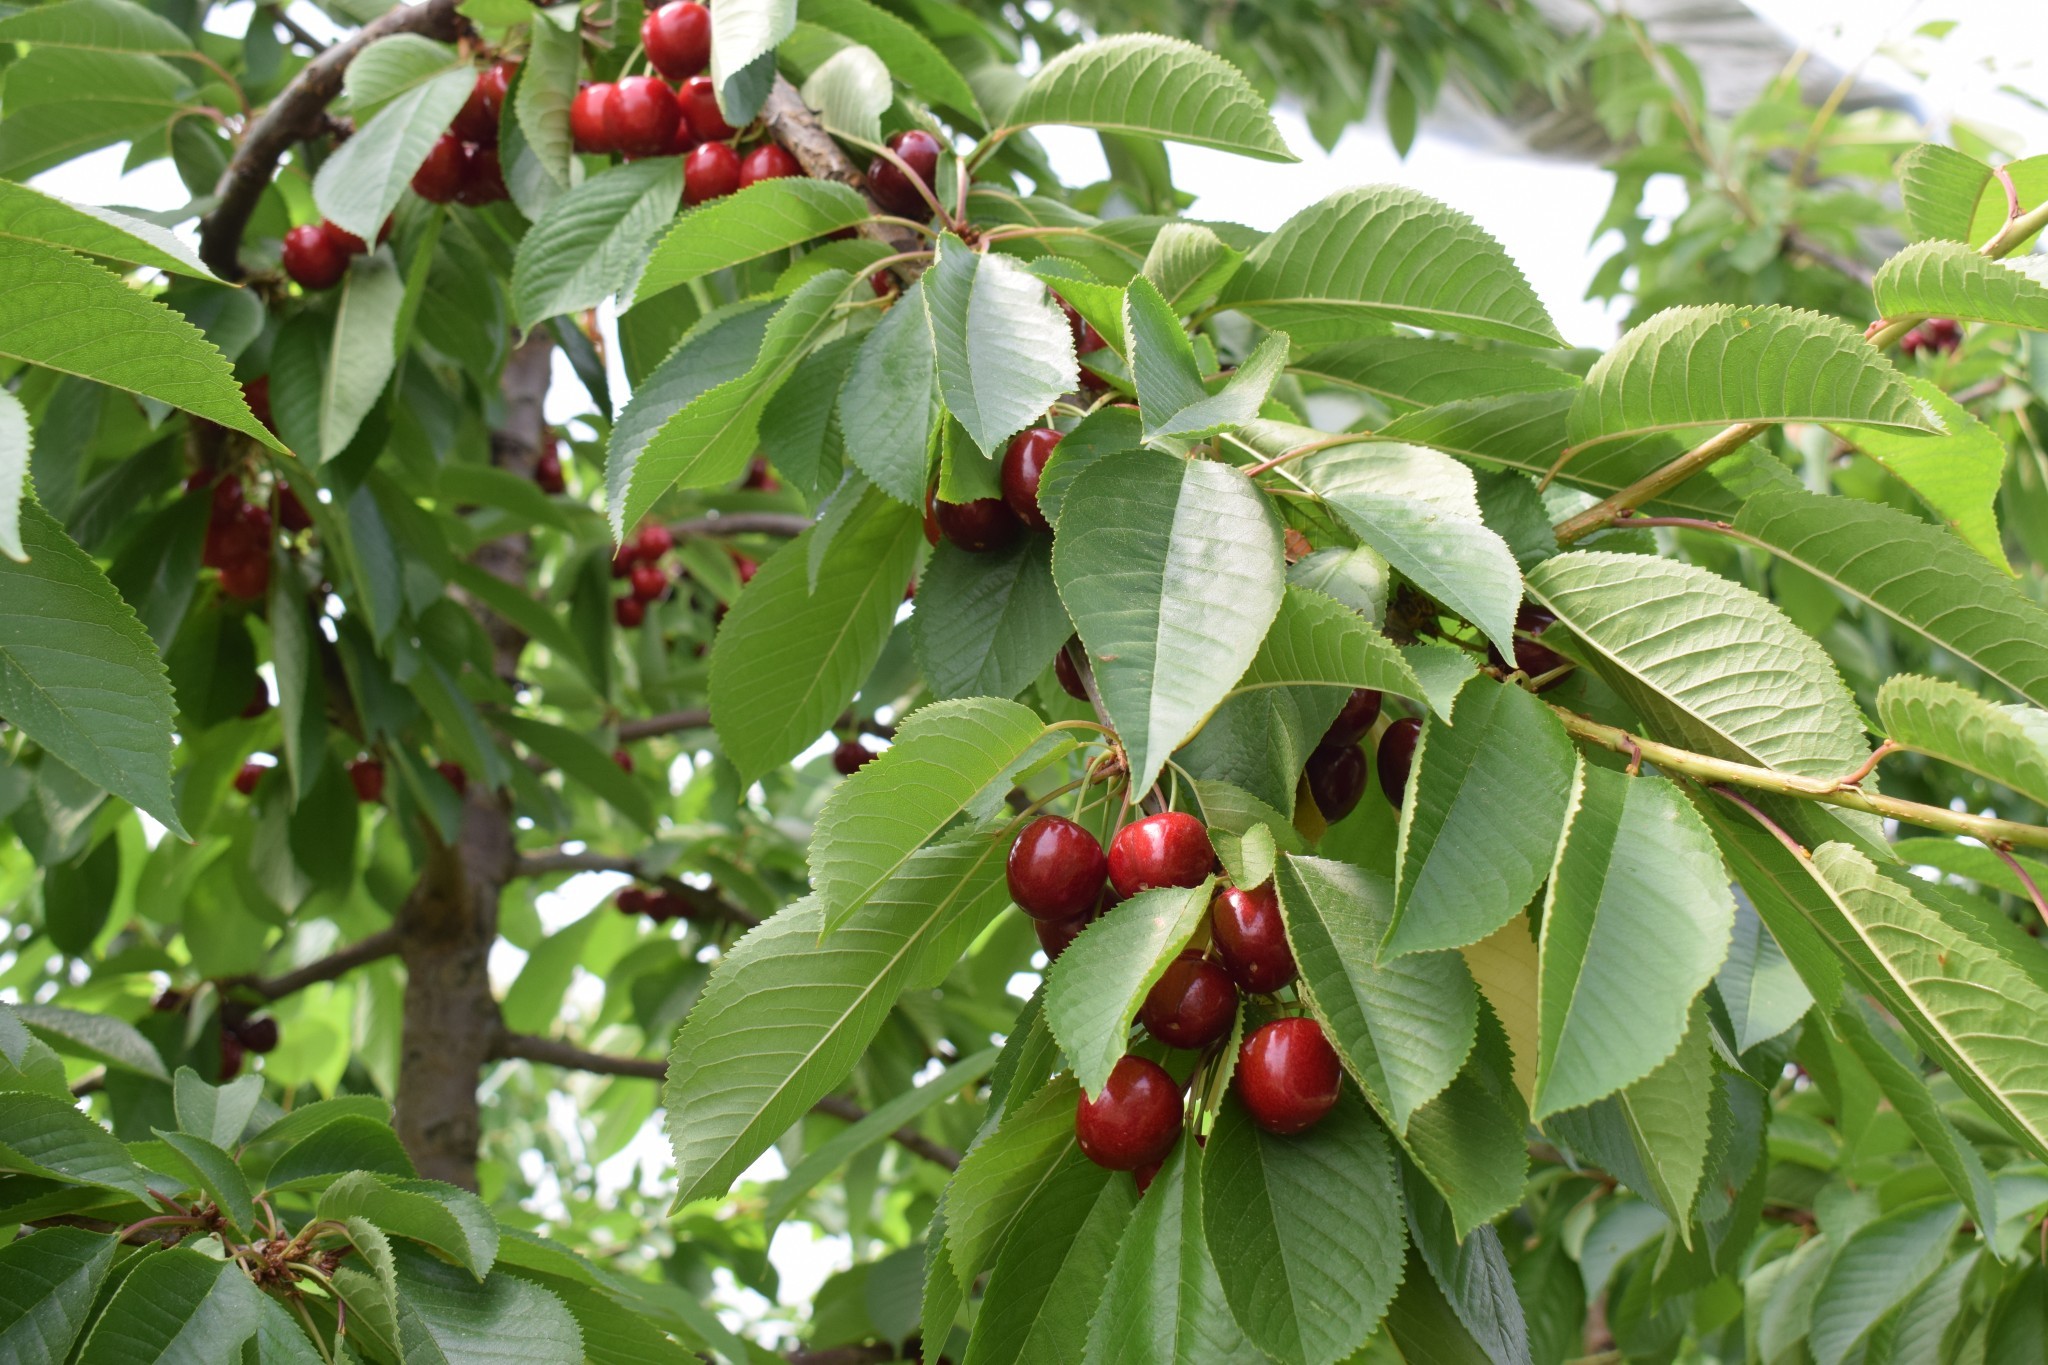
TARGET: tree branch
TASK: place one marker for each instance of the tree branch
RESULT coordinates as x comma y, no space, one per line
341,962
703,904
646,727
742,524
296,114
791,123
555,1052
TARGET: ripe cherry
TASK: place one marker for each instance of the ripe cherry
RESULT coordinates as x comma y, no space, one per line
1336,779
1360,710
850,757
746,566
1069,674
653,541
632,901
1056,869
1054,935
547,473
759,477
586,117
710,172
1942,334
1023,464
291,513
483,179
230,1055
1169,849
452,773
624,760
623,560
767,162
649,581
640,118
246,579
629,611
1192,1003
1288,1075
347,241
259,701
258,1035
477,120
1145,1175
256,393
895,191
678,39
699,101
366,775
979,526
931,515
248,776
312,259
1396,755
439,178
1086,338
1251,938
1134,1121
1531,658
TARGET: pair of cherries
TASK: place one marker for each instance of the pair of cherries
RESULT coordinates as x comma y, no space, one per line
638,561
239,536
316,255
661,906
463,166
984,525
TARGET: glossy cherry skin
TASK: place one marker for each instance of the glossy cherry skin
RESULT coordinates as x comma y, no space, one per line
649,581
248,776
291,513
439,177
678,39
256,393
710,172
1069,674
629,611
1054,935
366,775
767,162
640,118
1396,755
1359,711
1135,1121
1169,849
586,117
483,179
895,191
1531,658
312,259
850,757
1192,1003
632,901
349,243
699,101
931,515
1288,1075
1251,938
1336,779
1056,869
653,541
1023,464
547,474
980,526
477,120
258,1035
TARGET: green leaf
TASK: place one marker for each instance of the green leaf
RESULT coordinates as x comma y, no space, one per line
1692,367
1189,263
218,1113
1950,279
176,1307
392,65
310,1118
1926,580
585,762
912,57
1002,1173
589,243
708,441
1759,986
850,90
1317,642
1163,1304
48,1281
1172,571
99,1037
1153,86
943,755
1637,921
787,660
16,442
769,216
68,314
352,1142
541,98
1306,1230
27,1063
1940,187
449,1219
1386,253
988,624
63,103
784,1016
447,1318
743,33
1877,1268
1162,358
2005,744
44,1135
1905,1089
79,676
1040,1280
95,26
1489,803
721,346
1407,373
1470,1141
213,1172
1956,474
301,684
1403,1028
1004,352
1236,403
28,215
359,186
885,405
1471,1272
1093,992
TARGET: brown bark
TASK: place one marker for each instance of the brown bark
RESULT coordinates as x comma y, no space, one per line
791,123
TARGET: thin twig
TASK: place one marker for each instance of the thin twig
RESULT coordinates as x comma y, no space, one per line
1798,850
702,904
384,943
742,524
2019,870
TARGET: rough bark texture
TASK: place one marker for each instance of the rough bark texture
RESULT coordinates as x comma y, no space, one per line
792,124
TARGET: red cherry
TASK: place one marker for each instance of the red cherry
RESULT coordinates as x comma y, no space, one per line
439,178
312,259
230,1055
632,901
678,39
1944,334
1023,464
1396,754
1192,1003
640,119
1251,938
623,560
666,905
979,526
649,581
623,759
1359,711
587,117
1532,659
1134,1121
850,757
760,478
699,101
248,776
629,611
256,393
1069,674
1054,935
291,513
712,171
931,515
347,241
1056,869
366,775
654,541
246,579
483,179
452,773
547,473
258,1035
259,701
767,162
1169,849
1288,1075
1086,338
1336,779
1146,1174
746,567
895,191
477,120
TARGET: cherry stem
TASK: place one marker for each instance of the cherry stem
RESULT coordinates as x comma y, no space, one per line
1766,821
162,1220
921,229
924,191
298,1303
1307,448
2019,870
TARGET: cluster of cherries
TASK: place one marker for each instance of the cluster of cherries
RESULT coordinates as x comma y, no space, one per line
660,905
638,561
462,166
239,532
316,254
239,1034
1535,660
1935,334
1287,1073
984,525
851,756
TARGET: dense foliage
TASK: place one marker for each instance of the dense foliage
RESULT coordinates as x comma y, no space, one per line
1060,689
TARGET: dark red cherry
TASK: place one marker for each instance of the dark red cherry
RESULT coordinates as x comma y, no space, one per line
366,775
1086,338
1360,710
1531,658
1169,849
895,191
623,560
1192,1003
1146,1174
1397,753
699,101
347,241
1336,779
632,901
291,513
452,773
258,1035
931,515
312,259
547,473
1069,674
231,1051
483,179
767,162
1134,1121
259,701
710,172
640,118
477,120
649,581
586,117
624,759
1251,938
1054,935
1056,869
1288,1075
248,776
850,757
979,526
678,39
629,611
1023,463
746,566
256,393
439,178
654,541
